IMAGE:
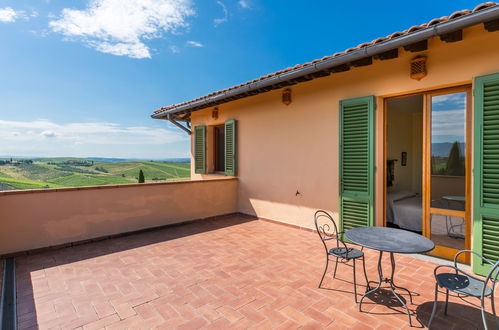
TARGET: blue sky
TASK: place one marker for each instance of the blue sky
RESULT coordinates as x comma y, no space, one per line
81,78
448,118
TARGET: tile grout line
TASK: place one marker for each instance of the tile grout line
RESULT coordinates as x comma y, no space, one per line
8,317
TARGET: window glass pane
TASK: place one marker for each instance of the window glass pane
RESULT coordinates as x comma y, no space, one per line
448,231
448,151
220,148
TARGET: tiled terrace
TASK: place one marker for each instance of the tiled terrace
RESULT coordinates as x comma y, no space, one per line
230,272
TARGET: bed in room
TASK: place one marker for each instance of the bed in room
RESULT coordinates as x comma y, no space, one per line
405,210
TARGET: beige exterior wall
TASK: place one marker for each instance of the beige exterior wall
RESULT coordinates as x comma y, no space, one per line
36,219
282,149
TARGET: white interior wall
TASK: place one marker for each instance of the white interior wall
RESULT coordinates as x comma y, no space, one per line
404,134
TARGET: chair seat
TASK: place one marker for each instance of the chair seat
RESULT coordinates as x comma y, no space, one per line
341,252
462,284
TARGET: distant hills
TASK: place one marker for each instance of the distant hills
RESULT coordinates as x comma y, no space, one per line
442,149
118,160
100,159
36,173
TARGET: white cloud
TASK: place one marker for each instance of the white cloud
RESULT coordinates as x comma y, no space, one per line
443,125
46,138
456,99
49,134
122,27
218,21
137,50
244,4
9,15
174,49
194,43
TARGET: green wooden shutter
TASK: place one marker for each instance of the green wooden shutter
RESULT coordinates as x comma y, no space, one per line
357,162
230,147
486,171
200,149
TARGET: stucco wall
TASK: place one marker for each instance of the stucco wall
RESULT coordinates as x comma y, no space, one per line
282,149
35,219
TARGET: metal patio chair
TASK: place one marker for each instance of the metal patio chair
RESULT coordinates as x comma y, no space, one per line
328,231
466,285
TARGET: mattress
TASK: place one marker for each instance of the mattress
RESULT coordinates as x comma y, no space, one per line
405,210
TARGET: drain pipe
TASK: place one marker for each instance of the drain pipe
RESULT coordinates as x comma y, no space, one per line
176,123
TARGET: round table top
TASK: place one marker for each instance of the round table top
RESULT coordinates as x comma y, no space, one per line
455,198
389,240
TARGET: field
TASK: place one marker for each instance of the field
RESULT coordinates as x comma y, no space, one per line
74,172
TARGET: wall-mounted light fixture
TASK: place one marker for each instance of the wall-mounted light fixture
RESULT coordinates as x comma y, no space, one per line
286,96
418,67
214,113
404,158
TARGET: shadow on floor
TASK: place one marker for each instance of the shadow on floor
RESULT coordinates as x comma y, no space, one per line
134,240
459,316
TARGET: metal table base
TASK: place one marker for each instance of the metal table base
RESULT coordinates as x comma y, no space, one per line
392,286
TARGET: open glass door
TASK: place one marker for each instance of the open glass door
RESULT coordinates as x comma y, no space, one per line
446,187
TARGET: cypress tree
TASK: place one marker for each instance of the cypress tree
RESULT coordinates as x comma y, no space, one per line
455,163
141,177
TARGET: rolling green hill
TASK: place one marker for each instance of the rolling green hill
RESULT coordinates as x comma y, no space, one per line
74,172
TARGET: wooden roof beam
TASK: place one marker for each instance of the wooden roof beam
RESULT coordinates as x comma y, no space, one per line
452,36
362,62
340,68
417,46
394,53
491,26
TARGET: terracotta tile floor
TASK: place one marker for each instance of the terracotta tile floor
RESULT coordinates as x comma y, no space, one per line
233,272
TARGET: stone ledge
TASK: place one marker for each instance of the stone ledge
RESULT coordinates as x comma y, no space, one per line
114,186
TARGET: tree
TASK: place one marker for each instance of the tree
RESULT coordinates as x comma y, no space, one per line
455,163
141,177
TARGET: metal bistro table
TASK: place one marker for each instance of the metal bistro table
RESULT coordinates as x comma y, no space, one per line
389,240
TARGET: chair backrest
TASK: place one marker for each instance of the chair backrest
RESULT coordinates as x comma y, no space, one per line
493,278
493,275
326,228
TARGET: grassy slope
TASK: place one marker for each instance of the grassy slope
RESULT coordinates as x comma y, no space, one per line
151,169
40,174
4,175
27,184
78,180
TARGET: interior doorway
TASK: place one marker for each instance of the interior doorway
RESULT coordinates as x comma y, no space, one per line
427,167
404,163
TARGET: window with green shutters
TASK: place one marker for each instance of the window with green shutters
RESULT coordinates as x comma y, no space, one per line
486,171
200,149
357,162
230,147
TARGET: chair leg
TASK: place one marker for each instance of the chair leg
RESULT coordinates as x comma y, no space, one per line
335,267
434,306
484,319
494,307
325,270
446,301
354,281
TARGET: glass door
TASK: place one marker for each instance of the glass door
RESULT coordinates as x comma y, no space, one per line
447,168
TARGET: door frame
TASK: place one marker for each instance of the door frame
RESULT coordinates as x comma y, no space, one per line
440,251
